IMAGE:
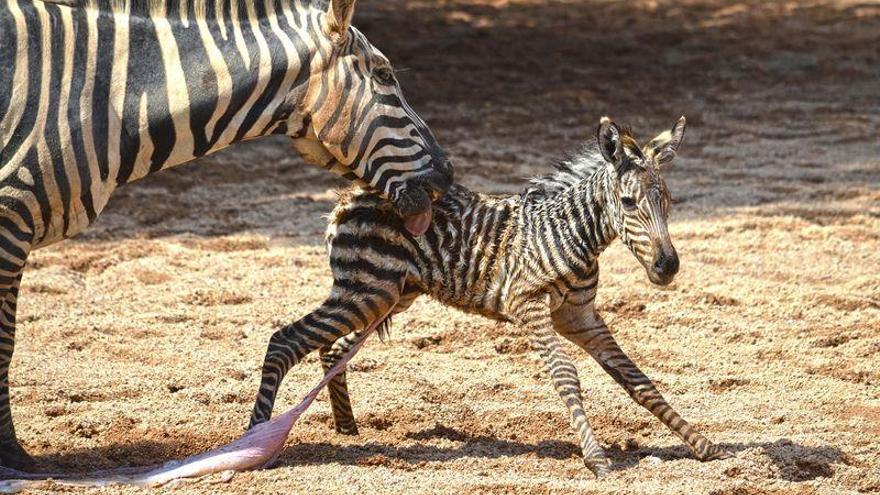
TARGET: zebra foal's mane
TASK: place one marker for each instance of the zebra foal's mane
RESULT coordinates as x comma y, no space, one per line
576,167
568,171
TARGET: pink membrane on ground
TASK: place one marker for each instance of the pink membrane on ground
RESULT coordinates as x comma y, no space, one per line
257,448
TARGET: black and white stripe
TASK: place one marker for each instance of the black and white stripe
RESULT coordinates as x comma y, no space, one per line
530,259
95,94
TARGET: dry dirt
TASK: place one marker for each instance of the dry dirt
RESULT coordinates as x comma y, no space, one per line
141,340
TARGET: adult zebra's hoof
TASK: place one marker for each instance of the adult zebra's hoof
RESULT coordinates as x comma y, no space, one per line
12,456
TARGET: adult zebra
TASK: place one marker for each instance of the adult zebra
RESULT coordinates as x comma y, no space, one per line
99,93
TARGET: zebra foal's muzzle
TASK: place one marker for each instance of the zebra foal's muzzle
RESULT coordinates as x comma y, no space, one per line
664,267
413,202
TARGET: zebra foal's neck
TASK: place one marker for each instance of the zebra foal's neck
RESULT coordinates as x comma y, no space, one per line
570,217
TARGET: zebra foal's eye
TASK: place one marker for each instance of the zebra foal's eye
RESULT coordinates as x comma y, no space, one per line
628,203
384,75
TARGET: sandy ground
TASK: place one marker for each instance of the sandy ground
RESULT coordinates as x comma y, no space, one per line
142,340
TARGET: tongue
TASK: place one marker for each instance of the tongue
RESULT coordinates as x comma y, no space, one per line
418,224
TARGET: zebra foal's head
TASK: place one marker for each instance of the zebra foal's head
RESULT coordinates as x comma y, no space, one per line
639,200
361,125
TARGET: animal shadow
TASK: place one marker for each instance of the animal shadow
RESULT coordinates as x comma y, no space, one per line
795,462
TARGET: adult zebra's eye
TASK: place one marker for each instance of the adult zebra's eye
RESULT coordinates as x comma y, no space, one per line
384,75
628,203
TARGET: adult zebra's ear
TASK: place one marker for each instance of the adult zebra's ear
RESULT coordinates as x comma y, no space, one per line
339,14
665,146
608,138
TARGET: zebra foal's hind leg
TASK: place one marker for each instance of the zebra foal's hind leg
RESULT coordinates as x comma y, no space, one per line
340,402
581,324
14,247
351,308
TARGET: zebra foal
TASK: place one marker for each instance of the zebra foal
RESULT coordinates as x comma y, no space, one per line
529,259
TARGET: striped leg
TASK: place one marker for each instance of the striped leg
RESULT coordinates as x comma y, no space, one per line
583,326
338,316
340,402
12,258
567,384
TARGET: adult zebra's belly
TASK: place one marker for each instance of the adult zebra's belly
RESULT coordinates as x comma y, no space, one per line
58,230
71,219
50,209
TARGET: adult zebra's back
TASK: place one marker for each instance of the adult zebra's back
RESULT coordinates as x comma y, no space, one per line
99,93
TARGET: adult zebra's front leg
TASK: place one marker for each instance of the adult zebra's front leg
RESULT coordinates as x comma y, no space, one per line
578,321
536,319
349,309
13,252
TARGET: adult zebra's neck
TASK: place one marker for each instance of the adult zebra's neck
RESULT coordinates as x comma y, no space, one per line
194,76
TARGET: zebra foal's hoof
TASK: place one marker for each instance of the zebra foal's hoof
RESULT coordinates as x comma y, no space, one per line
715,453
347,429
601,467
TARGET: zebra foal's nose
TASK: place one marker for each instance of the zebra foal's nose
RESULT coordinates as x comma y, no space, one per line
666,265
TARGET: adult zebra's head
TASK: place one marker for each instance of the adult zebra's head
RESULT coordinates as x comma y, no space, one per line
639,200
361,126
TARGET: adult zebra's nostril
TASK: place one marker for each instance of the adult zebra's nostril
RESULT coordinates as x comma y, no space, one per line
439,180
412,200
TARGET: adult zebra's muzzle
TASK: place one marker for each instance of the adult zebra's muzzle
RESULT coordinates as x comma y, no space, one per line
414,201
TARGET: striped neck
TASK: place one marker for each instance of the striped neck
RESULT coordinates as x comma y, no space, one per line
575,224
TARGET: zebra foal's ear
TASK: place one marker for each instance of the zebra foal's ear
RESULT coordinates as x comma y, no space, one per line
339,14
608,138
664,147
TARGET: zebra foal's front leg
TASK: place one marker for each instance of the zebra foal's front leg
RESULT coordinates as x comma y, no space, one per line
346,311
536,318
579,322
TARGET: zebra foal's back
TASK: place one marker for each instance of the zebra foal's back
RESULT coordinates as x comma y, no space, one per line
456,260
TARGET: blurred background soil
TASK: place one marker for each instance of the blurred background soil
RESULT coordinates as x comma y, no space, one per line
141,340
